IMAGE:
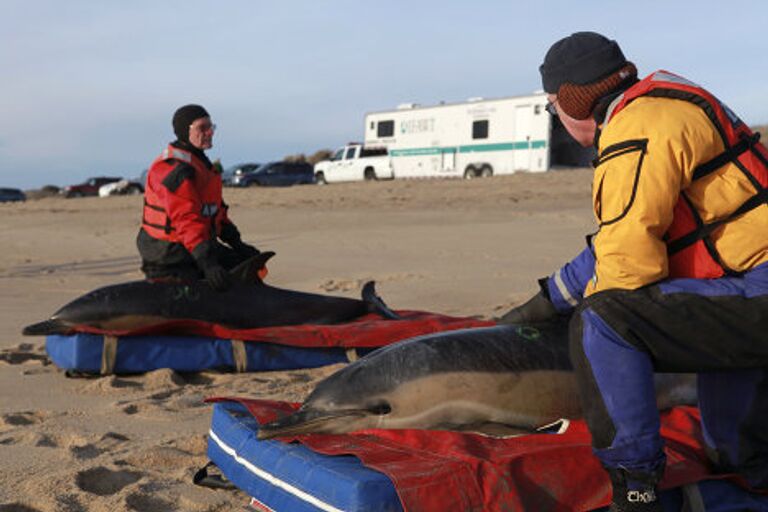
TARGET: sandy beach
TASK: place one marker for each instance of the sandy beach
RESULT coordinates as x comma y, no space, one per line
132,443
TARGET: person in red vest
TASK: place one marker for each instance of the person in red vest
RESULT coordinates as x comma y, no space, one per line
185,218
676,277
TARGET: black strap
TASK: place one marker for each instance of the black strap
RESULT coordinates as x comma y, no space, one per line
729,155
153,207
705,230
203,479
167,228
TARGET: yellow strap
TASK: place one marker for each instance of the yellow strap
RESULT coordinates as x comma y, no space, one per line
108,354
352,355
240,356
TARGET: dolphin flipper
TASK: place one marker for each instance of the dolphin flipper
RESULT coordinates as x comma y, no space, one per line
375,304
306,422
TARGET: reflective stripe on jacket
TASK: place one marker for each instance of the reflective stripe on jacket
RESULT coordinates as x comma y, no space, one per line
679,188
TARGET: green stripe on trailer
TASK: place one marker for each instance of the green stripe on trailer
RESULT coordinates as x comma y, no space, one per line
421,151
472,148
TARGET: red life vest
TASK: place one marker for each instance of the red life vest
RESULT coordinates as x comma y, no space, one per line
691,251
159,201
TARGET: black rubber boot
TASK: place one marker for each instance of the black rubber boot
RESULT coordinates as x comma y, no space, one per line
634,492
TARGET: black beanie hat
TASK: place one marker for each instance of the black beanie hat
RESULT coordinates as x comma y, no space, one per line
581,58
184,117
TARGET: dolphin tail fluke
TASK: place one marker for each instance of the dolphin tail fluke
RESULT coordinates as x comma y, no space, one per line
375,303
51,326
248,270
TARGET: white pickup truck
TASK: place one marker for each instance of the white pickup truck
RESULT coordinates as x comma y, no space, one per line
354,163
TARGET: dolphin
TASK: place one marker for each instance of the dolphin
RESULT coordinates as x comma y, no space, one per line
505,379
247,304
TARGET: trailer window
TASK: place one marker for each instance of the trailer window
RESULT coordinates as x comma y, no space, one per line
386,129
480,129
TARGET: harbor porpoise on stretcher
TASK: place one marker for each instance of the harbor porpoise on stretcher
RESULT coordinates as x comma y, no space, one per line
247,304
502,379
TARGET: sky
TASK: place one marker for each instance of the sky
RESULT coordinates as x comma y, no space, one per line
89,87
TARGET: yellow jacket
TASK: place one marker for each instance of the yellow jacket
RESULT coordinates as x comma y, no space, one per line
647,154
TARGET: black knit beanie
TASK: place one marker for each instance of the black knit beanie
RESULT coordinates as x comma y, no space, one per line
582,69
580,59
184,117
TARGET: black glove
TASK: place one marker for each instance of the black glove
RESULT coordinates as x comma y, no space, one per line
230,235
538,309
217,277
245,250
214,273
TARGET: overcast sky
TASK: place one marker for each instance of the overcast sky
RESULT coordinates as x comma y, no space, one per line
89,87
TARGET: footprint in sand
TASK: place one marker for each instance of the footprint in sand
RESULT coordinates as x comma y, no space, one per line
24,353
22,418
144,503
17,507
104,482
31,439
129,409
171,392
108,442
164,402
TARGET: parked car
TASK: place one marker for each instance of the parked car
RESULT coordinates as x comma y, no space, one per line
277,174
88,188
231,175
11,194
121,188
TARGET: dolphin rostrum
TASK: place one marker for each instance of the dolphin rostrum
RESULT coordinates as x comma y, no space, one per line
247,304
518,377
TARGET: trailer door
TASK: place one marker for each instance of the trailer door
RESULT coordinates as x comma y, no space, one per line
449,159
523,128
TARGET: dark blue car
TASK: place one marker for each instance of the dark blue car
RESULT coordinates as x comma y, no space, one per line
277,174
231,175
11,194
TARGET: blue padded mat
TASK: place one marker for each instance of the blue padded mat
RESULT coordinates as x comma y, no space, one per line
136,354
291,477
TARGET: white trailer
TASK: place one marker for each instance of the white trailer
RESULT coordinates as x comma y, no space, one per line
479,137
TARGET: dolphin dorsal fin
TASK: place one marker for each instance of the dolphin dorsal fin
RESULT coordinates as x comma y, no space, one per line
247,270
375,304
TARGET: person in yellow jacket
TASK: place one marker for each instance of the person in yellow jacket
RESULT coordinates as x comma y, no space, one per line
676,277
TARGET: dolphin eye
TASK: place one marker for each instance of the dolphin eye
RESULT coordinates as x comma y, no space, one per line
380,408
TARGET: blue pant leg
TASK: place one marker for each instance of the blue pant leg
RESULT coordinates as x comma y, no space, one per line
734,417
623,419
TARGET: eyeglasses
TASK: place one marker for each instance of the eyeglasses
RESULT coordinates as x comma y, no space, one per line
551,108
205,127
